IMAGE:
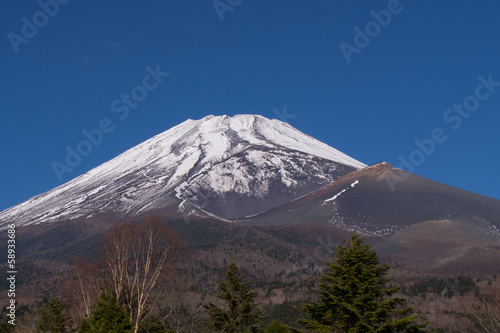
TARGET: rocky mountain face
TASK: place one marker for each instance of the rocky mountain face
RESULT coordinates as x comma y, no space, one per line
382,200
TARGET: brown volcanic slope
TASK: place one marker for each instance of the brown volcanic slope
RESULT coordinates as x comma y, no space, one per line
432,225
382,200
455,246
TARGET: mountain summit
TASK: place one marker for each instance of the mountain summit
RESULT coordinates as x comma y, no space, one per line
227,166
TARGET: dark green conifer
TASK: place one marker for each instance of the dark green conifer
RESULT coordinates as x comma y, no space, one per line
354,296
52,319
239,313
107,316
278,327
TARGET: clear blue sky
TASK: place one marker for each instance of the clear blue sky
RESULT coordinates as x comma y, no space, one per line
263,55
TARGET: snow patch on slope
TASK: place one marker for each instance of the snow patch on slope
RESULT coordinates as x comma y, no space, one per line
340,193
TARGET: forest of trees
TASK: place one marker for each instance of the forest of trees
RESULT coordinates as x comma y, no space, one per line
134,287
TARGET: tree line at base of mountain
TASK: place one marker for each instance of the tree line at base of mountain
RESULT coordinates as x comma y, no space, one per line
135,289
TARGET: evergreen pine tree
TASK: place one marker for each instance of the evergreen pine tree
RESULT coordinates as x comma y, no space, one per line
52,319
107,316
278,327
240,313
354,296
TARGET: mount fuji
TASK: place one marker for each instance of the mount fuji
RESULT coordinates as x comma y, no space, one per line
229,167
255,172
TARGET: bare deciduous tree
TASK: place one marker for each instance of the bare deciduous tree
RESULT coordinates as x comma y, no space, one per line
116,248
184,308
486,310
136,257
84,287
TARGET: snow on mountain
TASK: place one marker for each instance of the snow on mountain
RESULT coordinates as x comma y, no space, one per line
340,193
230,166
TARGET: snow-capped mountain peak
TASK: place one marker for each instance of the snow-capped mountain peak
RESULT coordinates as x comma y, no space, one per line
231,166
